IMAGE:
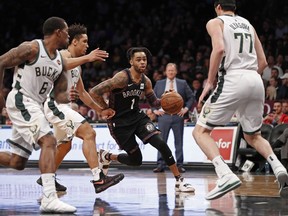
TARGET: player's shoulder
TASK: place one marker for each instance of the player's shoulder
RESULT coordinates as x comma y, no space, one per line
65,53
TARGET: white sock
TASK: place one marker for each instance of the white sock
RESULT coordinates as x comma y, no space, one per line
221,167
48,182
96,173
276,165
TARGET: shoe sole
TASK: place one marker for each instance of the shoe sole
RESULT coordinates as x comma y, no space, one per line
283,181
115,181
185,191
228,188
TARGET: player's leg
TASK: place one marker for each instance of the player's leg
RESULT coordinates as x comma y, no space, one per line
100,181
218,110
157,142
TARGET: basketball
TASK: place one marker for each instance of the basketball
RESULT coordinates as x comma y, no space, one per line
172,102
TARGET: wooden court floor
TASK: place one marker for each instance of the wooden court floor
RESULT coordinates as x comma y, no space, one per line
142,192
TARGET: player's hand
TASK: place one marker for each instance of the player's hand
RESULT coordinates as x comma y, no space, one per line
73,94
98,55
108,113
206,90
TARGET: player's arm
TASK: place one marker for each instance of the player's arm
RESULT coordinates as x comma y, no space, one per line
25,52
95,55
262,63
119,80
215,30
150,95
86,98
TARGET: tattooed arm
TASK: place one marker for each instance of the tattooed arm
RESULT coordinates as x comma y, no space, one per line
26,51
120,80
150,95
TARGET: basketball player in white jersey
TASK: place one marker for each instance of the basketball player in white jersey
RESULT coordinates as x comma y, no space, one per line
68,122
238,57
38,64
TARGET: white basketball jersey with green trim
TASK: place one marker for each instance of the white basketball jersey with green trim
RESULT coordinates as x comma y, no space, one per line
72,77
35,80
239,44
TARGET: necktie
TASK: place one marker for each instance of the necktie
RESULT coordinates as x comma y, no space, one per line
171,85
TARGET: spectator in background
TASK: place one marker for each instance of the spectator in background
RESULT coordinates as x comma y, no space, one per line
267,72
276,116
175,122
271,90
196,89
83,110
283,88
285,107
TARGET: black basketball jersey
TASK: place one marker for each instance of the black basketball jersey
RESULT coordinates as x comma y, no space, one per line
125,101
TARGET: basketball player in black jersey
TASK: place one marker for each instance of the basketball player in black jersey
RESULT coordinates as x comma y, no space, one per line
129,121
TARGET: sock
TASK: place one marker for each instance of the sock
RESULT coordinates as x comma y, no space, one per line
96,173
108,156
48,182
276,165
221,167
178,177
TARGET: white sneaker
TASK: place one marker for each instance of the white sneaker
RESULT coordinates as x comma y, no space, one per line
182,186
225,184
282,178
53,205
103,162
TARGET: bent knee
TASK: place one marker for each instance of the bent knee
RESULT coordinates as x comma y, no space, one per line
85,131
18,163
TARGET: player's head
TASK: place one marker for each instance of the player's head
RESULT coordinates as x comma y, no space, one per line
226,5
133,50
78,40
138,58
75,31
58,27
52,24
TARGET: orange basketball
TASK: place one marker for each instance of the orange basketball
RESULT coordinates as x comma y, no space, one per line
172,102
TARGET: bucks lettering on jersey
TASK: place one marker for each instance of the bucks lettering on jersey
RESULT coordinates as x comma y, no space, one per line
239,44
35,80
126,100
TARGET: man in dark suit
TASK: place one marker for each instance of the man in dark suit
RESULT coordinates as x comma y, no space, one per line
174,122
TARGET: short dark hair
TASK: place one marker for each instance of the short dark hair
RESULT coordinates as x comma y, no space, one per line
52,24
132,50
227,5
75,30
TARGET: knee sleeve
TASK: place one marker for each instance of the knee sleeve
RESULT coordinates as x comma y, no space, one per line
157,142
131,159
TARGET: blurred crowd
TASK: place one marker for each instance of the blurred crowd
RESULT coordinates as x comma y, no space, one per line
173,30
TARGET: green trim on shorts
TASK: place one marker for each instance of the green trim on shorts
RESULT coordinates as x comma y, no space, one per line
55,110
20,105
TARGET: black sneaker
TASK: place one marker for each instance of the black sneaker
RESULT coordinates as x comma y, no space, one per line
106,181
58,186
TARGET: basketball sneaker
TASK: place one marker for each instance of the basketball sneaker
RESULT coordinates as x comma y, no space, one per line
282,178
225,184
106,181
52,204
103,161
182,186
58,186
